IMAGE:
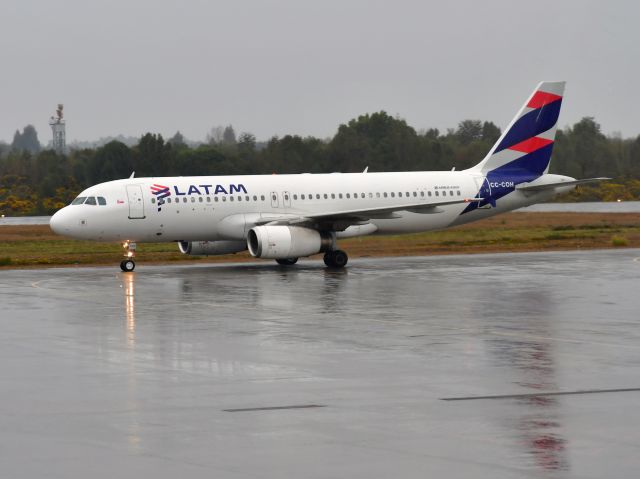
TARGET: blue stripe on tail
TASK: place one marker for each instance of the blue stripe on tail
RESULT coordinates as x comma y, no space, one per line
531,124
504,179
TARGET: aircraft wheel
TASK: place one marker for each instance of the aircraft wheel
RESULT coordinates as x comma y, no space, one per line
336,259
127,265
287,261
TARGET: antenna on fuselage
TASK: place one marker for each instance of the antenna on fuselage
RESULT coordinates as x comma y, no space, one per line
133,173
366,169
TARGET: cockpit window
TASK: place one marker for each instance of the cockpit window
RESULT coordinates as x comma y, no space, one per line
79,200
101,201
90,201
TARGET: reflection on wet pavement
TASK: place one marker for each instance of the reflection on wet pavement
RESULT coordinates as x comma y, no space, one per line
327,373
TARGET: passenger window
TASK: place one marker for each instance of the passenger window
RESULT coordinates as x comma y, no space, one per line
340,195
79,200
168,200
422,194
153,200
370,195
450,192
393,195
274,198
317,196
348,196
355,196
385,194
200,199
208,199
286,197
325,196
247,198
302,197
362,195
378,195
215,198
333,196
429,193
230,198
262,197
255,198
415,194
458,192
295,197
90,201
437,194
408,195
193,199
184,200
239,198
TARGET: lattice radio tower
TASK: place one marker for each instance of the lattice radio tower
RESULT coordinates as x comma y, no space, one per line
59,133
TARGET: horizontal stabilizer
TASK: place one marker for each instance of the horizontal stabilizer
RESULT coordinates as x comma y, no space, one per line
548,186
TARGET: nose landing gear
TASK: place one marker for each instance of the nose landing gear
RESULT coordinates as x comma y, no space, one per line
127,265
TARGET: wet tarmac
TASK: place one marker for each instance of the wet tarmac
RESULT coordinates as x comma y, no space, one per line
501,366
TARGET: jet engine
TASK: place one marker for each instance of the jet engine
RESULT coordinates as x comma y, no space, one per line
211,248
280,242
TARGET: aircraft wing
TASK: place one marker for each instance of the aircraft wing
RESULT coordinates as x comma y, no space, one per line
547,186
340,220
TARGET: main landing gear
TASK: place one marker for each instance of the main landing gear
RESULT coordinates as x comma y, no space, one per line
336,258
333,259
127,265
287,261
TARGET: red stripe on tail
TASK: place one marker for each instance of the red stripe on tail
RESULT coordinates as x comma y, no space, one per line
542,98
532,144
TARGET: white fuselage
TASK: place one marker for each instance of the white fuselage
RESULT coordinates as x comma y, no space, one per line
211,208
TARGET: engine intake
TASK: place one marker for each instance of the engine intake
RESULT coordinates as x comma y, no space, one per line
211,248
280,242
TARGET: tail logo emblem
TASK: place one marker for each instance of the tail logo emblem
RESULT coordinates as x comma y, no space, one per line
161,192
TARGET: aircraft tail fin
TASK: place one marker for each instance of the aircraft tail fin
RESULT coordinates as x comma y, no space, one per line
524,148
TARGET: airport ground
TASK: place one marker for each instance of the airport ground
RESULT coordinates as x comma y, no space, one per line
37,245
517,365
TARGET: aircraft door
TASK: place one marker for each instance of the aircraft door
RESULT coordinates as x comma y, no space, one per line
286,199
274,199
136,202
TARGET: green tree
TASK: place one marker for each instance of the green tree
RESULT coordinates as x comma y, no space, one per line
27,140
177,140
490,132
229,136
376,140
468,131
110,162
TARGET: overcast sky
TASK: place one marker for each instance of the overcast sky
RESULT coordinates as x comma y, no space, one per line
276,67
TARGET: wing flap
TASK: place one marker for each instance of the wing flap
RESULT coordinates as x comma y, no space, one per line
345,218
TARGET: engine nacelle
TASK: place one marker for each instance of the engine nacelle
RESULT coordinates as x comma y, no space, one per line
211,248
280,242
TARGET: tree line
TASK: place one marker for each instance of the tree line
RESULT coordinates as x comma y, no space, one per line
37,181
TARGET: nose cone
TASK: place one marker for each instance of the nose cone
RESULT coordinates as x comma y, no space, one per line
59,222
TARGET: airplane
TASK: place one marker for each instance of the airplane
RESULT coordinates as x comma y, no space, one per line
285,217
